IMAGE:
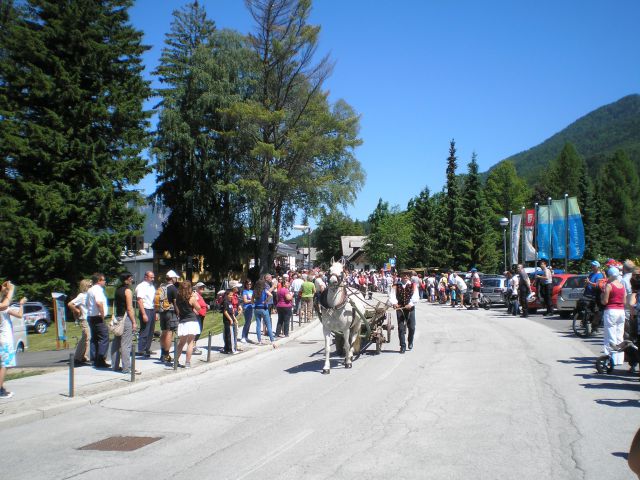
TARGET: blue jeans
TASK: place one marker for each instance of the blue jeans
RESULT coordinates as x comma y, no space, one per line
263,314
248,314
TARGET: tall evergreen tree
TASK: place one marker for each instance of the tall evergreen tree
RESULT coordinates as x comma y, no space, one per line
72,129
203,72
422,212
618,192
479,226
565,173
457,244
505,190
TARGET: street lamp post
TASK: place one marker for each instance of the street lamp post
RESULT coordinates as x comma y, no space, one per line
307,229
504,222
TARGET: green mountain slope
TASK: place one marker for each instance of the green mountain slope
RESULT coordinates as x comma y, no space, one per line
596,136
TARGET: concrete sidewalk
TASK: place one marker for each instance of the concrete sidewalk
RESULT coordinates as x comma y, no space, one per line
47,395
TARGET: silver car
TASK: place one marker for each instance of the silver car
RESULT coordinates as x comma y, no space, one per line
493,287
571,292
36,316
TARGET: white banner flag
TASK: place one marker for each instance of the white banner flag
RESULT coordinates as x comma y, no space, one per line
529,224
515,238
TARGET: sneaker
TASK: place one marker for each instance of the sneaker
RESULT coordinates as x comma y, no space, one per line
5,394
128,372
243,340
187,365
196,351
410,346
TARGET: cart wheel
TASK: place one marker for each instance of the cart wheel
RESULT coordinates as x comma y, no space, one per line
389,328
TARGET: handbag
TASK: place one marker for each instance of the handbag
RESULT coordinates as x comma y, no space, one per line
116,325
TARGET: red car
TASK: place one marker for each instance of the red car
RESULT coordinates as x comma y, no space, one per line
559,280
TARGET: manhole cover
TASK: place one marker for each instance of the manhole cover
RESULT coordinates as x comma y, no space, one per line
120,444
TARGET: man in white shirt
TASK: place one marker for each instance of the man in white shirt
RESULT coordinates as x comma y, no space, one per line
97,310
296,285
145,295
403,297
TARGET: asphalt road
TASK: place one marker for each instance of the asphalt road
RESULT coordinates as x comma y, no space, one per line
482,396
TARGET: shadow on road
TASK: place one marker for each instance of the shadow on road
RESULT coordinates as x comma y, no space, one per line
612,386
624,455
312,366
619,402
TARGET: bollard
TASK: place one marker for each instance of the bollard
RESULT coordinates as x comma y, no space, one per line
175,352
71,375
209,348
134,349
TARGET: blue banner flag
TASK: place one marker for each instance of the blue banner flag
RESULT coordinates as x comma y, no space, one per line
576,231
543,235
558,229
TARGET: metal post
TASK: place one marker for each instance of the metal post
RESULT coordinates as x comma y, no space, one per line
504,247
134,349
535,229
550,230
175,352
510,237
308,249
566,232
524,256
209,347
71,376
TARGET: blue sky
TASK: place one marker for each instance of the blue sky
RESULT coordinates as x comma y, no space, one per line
497,76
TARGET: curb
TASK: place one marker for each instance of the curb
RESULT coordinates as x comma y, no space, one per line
161,377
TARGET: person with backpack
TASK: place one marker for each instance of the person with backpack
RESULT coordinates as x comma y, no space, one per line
165,303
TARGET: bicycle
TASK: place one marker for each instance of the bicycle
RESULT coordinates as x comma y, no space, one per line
586,319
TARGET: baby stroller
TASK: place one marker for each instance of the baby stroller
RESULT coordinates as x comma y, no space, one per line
605,363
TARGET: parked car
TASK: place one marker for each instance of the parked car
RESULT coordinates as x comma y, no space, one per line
571,292
493,287
36,317
558,282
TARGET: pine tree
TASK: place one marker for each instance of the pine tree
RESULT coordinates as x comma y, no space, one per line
422,214
457,244
618,192
203,72
565,173
72,130
505,190
478,225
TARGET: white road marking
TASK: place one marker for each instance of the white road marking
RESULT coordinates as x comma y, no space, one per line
278,451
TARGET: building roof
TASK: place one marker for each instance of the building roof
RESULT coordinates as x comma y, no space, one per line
352,243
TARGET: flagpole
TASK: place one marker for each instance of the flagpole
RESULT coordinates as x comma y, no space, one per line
550,230
535,230
522,234
510,239
566,232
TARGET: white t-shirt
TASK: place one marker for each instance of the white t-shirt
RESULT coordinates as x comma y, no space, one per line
80,302
6,329
296,285
96,295
147,292
320,285
460,284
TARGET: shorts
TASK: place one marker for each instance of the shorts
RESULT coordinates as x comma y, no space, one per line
476,289
168,321
7,355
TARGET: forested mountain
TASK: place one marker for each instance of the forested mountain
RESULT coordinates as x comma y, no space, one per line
596,136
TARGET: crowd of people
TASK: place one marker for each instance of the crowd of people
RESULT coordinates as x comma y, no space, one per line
180,308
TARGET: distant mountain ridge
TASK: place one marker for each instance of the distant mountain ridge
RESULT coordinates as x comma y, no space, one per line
596,137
